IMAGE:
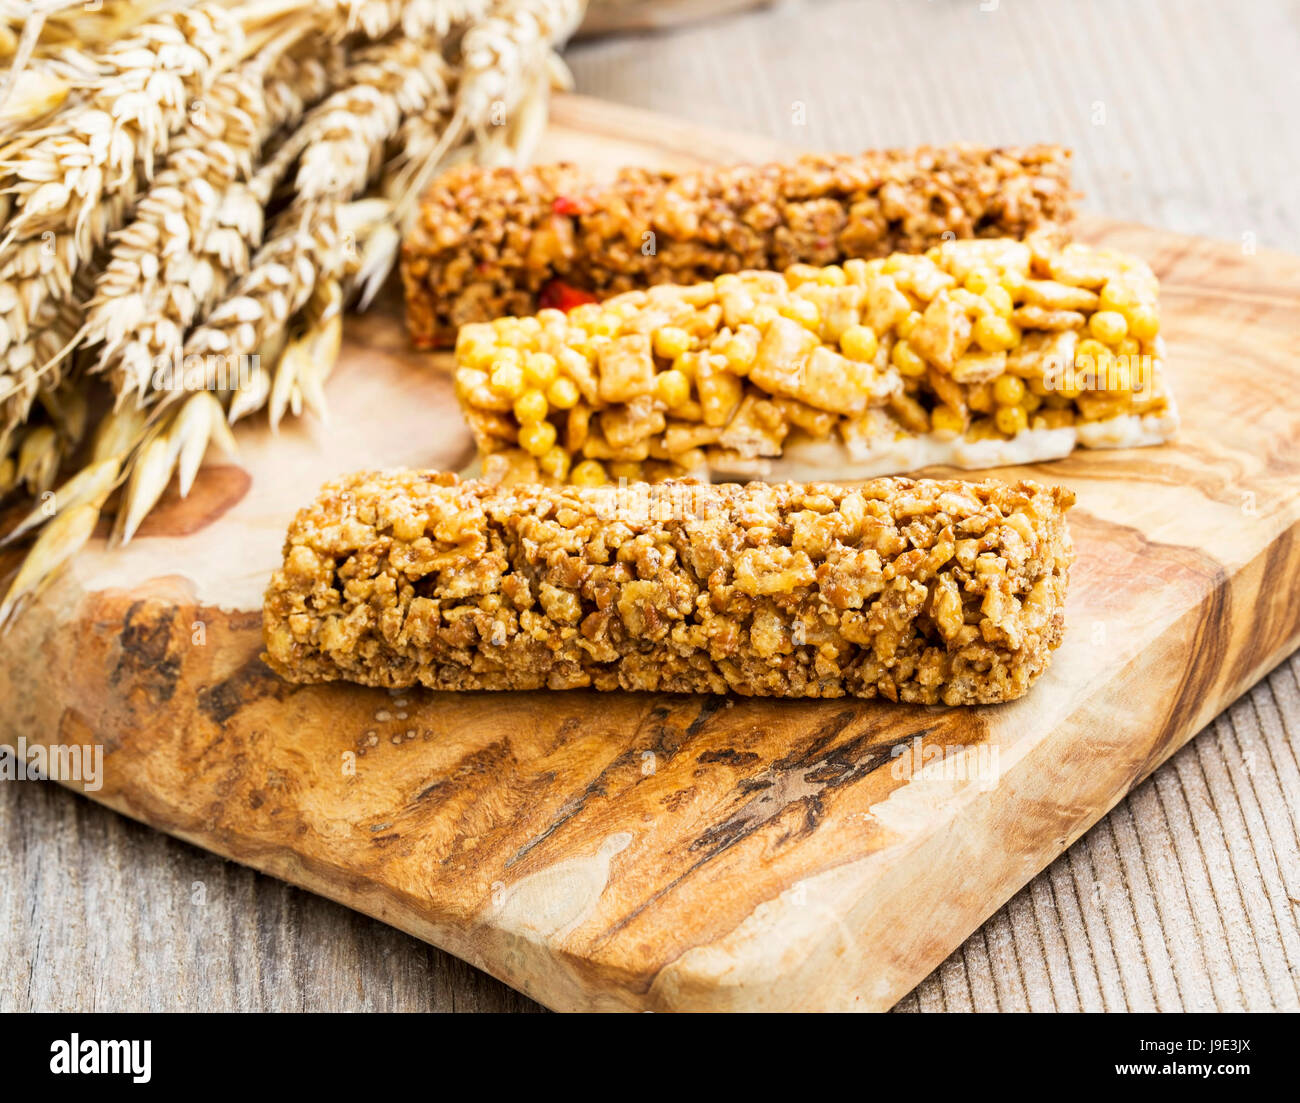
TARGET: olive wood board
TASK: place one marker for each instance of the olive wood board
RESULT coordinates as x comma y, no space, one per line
658,852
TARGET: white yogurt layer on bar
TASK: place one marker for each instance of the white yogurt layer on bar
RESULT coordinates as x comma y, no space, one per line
812,460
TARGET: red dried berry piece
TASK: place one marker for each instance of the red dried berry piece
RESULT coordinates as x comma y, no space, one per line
567,205
558,295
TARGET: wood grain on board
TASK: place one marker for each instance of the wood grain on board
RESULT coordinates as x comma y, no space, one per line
649,851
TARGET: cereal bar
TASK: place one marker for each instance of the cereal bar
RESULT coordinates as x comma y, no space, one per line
976,353
918,591
495,241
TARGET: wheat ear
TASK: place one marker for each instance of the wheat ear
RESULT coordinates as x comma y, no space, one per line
342,142
162,272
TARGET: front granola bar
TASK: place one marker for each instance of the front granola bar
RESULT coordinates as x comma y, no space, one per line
919,591
494,241
974,354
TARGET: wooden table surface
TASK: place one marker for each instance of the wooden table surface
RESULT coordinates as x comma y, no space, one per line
1187,896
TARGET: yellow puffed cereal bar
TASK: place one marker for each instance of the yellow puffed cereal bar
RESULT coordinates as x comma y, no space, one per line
977,353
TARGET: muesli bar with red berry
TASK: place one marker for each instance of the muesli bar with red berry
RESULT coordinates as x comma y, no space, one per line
504,241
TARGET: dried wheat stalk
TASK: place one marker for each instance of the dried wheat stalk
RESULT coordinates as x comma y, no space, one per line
129,119
56,24
416,19
500,58
182,198
31,97
23,26
507,64
503,73
43,203
170,264
75,181
311,246
53,325
341,146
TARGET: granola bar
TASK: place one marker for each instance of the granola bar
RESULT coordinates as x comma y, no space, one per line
494,241
976,353
919,591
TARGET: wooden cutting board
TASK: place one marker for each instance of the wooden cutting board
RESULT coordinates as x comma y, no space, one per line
623,851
